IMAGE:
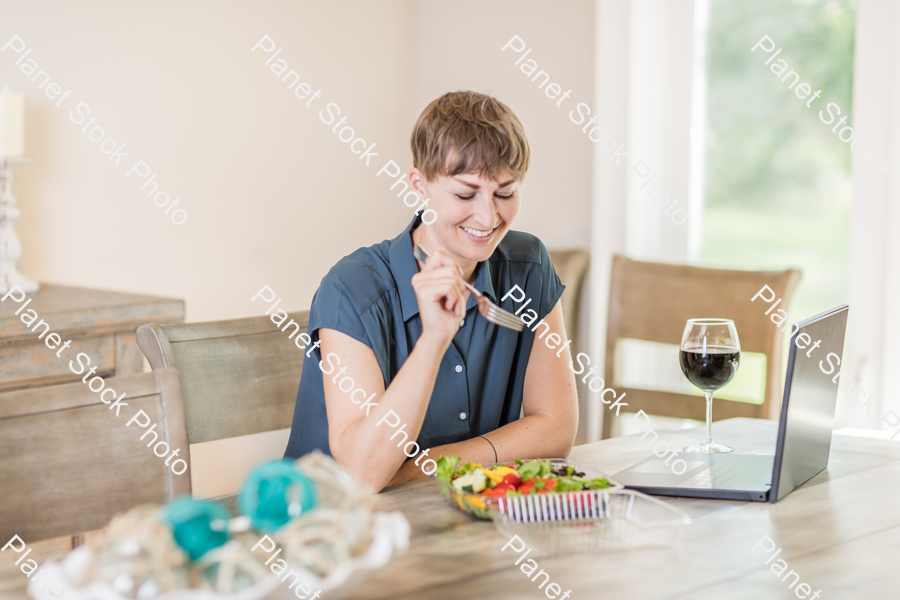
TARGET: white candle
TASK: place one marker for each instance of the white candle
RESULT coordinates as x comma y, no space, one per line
12,123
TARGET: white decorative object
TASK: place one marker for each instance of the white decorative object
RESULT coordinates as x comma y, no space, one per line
10,248
390,536
12,123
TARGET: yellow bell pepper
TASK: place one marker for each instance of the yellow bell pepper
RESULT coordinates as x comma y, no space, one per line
503,471
475,501
492,475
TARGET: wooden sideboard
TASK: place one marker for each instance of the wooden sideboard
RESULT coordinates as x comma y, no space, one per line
99,323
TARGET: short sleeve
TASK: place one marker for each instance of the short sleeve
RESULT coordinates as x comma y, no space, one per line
552,286
333,307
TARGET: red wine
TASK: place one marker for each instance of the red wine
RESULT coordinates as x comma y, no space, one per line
710,370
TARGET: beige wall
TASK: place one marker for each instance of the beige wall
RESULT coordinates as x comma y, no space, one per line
460,49
272,196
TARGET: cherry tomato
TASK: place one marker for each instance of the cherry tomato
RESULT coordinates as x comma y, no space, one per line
500,490
527,485
513,479
549,484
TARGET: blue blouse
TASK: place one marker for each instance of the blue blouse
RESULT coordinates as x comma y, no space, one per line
368,296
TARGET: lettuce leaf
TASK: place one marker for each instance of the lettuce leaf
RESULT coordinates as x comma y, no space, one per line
568,484
445,467
597,484
530,469
467,468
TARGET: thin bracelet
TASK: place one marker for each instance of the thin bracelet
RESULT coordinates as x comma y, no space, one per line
492,447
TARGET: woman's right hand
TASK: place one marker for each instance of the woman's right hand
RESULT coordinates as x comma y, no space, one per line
441,296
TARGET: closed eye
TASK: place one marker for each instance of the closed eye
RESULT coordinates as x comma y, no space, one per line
473,195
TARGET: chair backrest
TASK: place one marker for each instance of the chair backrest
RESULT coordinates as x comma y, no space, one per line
572,267
237,377
69,464
652,301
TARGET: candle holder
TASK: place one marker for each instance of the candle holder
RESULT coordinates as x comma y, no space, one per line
10,247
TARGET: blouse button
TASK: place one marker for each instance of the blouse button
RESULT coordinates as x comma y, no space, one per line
459,368
462,416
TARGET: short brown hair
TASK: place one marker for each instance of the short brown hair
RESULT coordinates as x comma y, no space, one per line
464,132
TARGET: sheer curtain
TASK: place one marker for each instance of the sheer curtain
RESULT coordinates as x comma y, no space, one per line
643,90
874,296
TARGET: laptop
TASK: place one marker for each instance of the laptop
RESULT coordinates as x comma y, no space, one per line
802,445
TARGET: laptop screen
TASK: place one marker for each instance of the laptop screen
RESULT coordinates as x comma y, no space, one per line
807,411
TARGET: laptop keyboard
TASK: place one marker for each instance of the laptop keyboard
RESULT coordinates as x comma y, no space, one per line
734,474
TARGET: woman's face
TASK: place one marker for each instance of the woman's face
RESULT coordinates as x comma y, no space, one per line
473,212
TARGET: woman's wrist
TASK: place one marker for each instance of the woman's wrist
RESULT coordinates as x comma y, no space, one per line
433,344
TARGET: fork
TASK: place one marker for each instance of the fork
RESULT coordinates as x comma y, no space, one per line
488,309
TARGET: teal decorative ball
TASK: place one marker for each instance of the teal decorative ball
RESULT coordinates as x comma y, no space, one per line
198,526
274,493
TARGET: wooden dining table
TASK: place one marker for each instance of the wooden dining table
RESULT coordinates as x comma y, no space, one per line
840,532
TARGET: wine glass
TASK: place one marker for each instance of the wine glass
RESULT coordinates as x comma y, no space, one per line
710,356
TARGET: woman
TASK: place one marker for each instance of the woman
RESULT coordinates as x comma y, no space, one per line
400,353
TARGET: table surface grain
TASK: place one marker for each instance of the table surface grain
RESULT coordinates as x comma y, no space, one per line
840,531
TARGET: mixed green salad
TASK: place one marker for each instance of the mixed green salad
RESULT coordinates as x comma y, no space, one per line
526,477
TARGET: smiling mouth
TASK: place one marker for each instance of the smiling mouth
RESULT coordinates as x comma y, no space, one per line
479,233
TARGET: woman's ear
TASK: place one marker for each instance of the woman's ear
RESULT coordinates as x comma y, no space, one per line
417,181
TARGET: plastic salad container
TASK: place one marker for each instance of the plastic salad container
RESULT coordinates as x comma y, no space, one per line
480,505
611,518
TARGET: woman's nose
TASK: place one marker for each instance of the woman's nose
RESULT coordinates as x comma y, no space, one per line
485,213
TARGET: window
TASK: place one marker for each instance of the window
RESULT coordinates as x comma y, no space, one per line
778,189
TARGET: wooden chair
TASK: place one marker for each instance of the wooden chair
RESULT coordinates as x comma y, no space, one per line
69,464
238,377
572,268
652,301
